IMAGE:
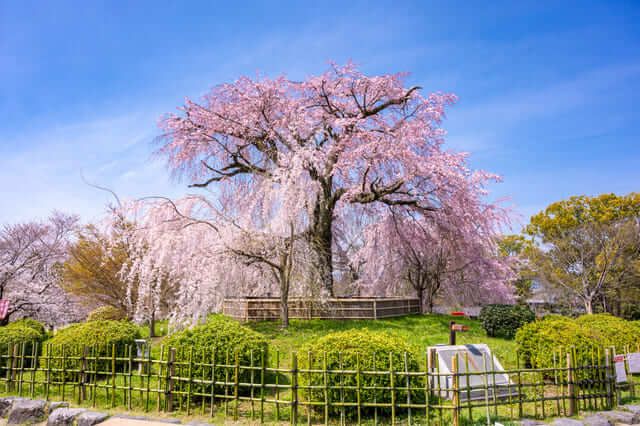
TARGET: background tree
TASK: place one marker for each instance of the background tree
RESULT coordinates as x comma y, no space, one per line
446,251
93,270
519,250
31,255
588,244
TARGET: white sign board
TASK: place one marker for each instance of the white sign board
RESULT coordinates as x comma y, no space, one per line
634,363
621,372
479,359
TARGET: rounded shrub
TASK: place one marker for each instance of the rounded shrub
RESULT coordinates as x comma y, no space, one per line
32,324
17,334
363,350
100,338
221,340
607,330
505,320
106,313
544,343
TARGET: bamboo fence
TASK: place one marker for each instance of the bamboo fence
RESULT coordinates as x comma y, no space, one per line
303,389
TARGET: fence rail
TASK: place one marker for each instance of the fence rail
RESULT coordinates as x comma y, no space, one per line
309,388
260,308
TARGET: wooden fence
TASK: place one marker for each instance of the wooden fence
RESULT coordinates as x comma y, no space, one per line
308,388
260,308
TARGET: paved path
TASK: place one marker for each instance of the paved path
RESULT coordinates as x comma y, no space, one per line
115,421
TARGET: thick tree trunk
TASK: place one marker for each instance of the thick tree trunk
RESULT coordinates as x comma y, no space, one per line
588,305
420,295
321,239
284,304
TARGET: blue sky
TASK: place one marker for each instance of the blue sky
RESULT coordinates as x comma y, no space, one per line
547,89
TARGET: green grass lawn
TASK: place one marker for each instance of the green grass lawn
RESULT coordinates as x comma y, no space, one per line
419,330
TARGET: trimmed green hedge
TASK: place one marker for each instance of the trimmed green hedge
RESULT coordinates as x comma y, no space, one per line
505,320
353,349
32,324
608,330
23,331
98,336
106,313
221,337
538,341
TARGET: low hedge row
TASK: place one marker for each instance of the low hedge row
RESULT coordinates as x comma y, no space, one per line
99,336
361,349
540,342
220,337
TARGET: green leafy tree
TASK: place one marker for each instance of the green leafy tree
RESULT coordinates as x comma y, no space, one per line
587,244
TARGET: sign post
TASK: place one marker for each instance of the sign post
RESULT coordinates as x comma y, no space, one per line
453,328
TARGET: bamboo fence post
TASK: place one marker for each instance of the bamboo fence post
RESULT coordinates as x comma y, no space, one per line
309,382
82,394
189,383
375,394
325,381
277,385
485,386
48,374
571,384
203,378
146,402
427,385
21,370
12,364
520,407
294,389
358,385
455,385
159,387
251,381
262,378
130,367
64,370
468,384
113,375
236,382
609,377
632,391
213,380
408,386
555,379
170,375
34,367
393,389
342,407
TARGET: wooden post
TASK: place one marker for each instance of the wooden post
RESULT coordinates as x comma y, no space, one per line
82,394
455,385
452,333
236,384
190,380
13,360
393,390
571,385
609,377
294,389
171,369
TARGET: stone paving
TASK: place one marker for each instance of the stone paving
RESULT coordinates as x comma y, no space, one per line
22,411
